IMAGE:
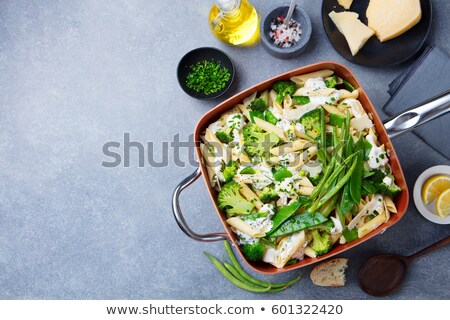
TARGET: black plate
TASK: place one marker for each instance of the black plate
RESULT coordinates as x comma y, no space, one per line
375,53
198,55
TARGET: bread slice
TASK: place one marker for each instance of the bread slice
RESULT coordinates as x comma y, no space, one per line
330,273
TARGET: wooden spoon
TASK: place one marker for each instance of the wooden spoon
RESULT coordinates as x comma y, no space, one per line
382,275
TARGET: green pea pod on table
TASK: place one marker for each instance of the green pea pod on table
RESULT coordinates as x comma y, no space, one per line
299,222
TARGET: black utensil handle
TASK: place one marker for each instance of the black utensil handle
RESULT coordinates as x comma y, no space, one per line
437,245
178,214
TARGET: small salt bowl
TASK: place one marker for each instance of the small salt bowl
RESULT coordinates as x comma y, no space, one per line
303,20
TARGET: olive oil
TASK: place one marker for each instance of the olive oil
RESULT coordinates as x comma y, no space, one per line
235,22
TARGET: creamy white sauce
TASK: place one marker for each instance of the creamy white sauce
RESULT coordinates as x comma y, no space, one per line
315,83
236,121
284,124
245,238
299,128
313,168
337,225
263,224
355,106
387,180
377,157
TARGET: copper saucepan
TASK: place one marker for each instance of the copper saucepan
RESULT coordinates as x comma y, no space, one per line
393,127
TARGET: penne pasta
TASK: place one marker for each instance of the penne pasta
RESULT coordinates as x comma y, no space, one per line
314,92
305,156
305,191
301,79
371,225
390,205
310,252
266,126
333,109
245,110
289,147
244,227
251,196
287,102
247,101
344,94
273,101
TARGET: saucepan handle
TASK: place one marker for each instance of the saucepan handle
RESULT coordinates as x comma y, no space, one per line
179,218
418,115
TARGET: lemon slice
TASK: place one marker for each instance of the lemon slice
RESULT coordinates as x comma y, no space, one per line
434,187
443,204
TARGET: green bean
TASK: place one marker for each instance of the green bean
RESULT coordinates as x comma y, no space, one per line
326,174
356,179
238,267
234,280
331,205
338,186
323,136
236,274
330,181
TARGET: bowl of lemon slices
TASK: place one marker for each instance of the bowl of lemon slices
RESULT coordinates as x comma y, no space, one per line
432,194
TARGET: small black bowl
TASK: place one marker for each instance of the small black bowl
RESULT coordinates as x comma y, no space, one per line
303,20
198,55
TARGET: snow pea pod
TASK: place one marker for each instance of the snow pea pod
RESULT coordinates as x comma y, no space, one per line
346,199
282,174
336,119
299,222
282,215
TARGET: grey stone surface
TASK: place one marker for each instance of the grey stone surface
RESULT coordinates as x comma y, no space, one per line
77,74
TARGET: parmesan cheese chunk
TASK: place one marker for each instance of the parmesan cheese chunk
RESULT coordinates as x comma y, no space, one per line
391,18
355,32
345,3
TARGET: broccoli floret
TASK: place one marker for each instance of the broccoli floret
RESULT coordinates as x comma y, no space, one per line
258,105
257,142
230,170
252,132
391,190
331,83
268,194
283,88
311,122
254,252
375,184
322,242
224,137
316,179
231,201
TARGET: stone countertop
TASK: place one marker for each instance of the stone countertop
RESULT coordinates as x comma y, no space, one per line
75,75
